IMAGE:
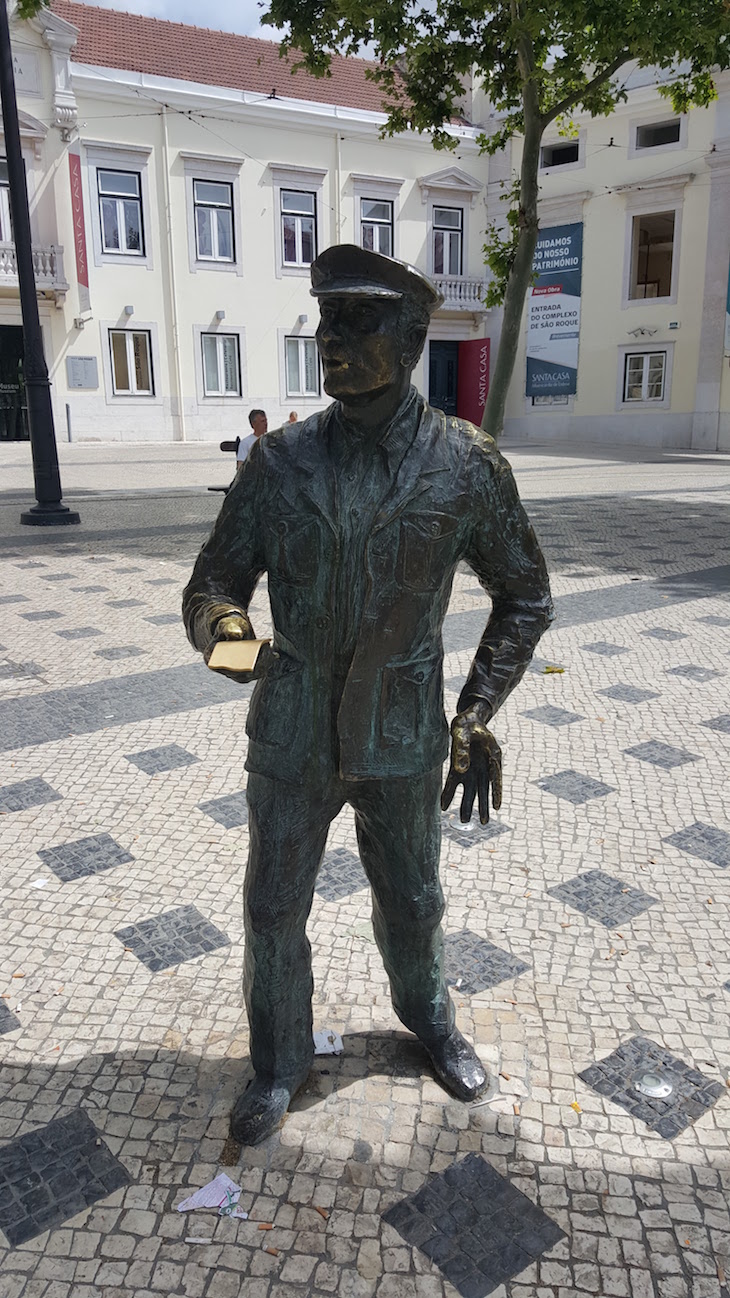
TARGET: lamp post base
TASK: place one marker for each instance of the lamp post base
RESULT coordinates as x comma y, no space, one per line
49,516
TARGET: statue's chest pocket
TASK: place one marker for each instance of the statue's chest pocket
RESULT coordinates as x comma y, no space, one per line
426,545
296,544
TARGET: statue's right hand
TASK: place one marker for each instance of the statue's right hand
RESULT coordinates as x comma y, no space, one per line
233,626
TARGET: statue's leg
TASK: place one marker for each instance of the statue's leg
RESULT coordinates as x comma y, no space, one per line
287,835
399,832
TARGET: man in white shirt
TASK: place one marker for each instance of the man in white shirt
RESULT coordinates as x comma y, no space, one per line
259,424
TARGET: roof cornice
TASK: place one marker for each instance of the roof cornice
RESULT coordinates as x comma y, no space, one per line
118,83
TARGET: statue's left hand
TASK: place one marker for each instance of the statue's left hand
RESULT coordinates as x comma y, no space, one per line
476,763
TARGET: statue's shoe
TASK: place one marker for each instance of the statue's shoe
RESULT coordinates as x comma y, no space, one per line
458,1066
260,1110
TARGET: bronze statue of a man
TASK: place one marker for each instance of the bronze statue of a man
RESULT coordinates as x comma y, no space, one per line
360,515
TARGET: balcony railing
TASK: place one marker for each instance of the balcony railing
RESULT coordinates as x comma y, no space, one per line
47,264
460,293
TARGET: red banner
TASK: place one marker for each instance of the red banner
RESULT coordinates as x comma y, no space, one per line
473,380
77,208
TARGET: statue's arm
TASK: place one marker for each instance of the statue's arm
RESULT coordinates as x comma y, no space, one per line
229,565
507,559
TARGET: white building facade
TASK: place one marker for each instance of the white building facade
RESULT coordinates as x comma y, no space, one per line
176,208
642,200
174,224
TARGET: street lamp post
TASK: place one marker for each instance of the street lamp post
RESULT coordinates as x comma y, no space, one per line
49,511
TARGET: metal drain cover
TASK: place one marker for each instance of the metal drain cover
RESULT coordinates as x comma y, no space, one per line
653,1085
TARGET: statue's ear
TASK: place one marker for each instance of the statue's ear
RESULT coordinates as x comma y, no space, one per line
415,344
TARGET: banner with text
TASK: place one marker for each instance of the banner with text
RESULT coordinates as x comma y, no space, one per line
472,384
77,208
553,312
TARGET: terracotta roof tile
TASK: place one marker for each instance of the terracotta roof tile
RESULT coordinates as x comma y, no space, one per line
110,38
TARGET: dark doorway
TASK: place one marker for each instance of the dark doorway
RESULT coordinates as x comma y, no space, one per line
13,408
443,370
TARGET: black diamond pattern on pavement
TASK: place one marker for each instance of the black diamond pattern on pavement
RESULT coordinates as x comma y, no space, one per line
605,649
574,787
714,619
473,964
172,938
119,651
473,832
628,693
721,723
340,875
477,1227
53,1173
85,856
230,811
660,754
615,1077
89,590
79,632
58,576
705,841
125,603
28,793
609,901
168,758
552,716
42,615
164,619
692,672
10,671
8,1021
664,633
13,599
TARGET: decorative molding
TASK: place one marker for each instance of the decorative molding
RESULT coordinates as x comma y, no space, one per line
60,37
285,172
562,208
453,179
114,146
657,189
32,132
384,182
213,160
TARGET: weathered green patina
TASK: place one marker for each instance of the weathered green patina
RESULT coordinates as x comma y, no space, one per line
359,517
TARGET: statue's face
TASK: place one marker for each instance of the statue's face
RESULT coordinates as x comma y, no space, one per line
359,345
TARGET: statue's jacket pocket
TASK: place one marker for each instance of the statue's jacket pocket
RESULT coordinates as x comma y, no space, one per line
275,712
410,701
426,543
295,549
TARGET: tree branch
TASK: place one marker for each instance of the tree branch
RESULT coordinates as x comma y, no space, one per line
571,100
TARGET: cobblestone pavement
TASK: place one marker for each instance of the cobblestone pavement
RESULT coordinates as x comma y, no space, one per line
586,935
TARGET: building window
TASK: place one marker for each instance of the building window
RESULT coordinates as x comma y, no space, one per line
657,134
652,253
644,376
298,227
376,224
213,203
120,205
131,362
448,233
559,155
221,365
302,367
6,233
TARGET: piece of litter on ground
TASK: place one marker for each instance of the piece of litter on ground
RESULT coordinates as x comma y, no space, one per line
198,1239
235,1212
328,1042
222,1192
322,1211
575,1105
273,1251
38,883
553,671
265,1225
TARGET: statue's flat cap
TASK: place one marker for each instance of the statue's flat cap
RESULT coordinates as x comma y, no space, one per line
345,270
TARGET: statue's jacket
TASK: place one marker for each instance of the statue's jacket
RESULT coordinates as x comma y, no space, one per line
453,499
